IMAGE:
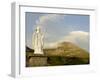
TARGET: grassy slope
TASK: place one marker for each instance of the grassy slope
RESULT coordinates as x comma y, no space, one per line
71,54
65,54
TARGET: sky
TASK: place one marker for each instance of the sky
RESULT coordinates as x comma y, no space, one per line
58,28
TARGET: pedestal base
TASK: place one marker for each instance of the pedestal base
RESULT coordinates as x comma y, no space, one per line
37,60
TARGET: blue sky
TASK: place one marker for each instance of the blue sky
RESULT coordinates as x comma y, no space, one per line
59,27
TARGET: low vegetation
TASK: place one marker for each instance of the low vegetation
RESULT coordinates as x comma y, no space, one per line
65,54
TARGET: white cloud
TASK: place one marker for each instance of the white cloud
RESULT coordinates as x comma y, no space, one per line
45,20
75,36
79,38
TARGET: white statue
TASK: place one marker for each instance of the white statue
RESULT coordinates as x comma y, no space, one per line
37,41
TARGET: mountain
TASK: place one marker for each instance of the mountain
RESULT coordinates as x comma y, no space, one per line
67,49
68,53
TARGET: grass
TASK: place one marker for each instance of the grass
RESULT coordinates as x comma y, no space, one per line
65,54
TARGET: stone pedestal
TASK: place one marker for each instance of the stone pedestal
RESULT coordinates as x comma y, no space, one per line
37,60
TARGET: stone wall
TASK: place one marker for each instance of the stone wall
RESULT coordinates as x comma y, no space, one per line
37,61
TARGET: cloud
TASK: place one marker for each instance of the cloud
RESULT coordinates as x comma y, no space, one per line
79,38
48,20
76,36
49,17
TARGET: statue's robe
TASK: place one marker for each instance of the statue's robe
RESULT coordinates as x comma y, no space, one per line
37,43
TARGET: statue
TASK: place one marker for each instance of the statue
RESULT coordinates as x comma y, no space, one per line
37,41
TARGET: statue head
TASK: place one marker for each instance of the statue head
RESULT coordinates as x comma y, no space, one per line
37,29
